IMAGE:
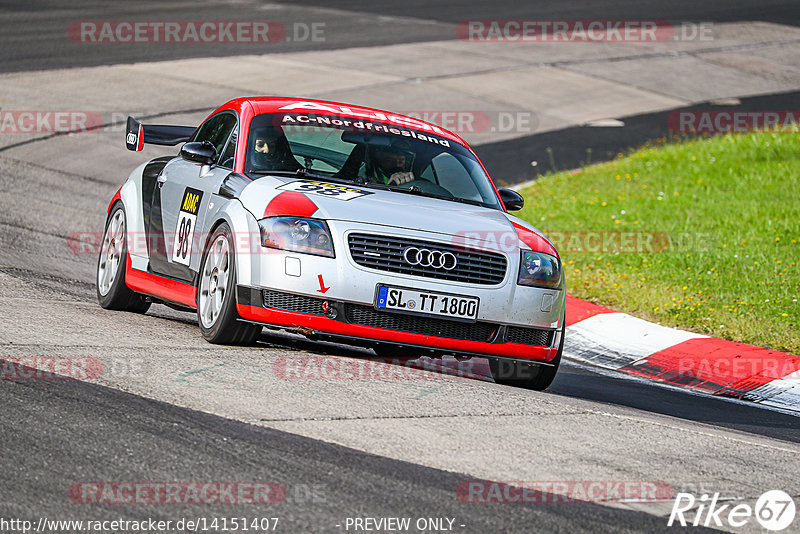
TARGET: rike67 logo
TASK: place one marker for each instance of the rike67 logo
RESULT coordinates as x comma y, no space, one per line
774,510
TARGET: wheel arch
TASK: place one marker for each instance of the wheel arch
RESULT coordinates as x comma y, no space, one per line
130,194
246,236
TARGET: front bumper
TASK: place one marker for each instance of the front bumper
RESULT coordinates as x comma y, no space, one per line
320,315
507,315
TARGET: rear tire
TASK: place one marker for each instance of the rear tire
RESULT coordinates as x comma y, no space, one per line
112,293
216,294
527,375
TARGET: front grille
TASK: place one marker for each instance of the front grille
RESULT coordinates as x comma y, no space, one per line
529,336
368,316
293,303
385,253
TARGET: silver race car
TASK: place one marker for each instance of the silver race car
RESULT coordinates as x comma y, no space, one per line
337,222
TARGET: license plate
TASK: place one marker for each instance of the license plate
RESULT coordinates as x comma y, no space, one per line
403,299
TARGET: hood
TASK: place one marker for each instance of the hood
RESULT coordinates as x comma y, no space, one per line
270,196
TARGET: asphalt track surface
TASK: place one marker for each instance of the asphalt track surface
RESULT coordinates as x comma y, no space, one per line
573,147
85,432
33,36
382,460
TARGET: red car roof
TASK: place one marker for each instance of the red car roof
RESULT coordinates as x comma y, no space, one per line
256,105
249,106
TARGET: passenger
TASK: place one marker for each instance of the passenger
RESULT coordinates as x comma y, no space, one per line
390,165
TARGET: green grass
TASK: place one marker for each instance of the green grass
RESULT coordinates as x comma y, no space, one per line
717,226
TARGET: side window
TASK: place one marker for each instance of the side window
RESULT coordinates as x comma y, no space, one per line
226,159
319,151
217,129
453,176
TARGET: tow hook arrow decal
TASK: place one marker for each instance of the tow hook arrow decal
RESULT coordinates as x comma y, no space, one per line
322,288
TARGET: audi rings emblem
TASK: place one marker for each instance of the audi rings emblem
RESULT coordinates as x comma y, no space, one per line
430,258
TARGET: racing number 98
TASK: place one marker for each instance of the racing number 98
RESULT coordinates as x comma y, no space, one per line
332,191
184,234
183,237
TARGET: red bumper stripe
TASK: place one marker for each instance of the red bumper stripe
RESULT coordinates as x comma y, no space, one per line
159,286
330,326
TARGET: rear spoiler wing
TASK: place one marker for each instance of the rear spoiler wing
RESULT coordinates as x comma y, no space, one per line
137,134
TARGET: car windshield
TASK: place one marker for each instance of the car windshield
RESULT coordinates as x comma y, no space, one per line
367,152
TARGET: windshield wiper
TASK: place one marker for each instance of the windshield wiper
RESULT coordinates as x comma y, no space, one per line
300,173
413,190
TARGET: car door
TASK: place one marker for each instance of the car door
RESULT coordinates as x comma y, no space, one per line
182,193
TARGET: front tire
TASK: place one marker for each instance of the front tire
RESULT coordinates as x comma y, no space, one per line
216,294
527,375
112,293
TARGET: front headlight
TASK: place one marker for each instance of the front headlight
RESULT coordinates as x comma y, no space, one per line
296,234
539,269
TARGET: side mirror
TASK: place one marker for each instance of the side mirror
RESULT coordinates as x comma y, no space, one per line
511,199
202,152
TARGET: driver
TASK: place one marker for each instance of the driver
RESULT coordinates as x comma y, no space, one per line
390,165
272,152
